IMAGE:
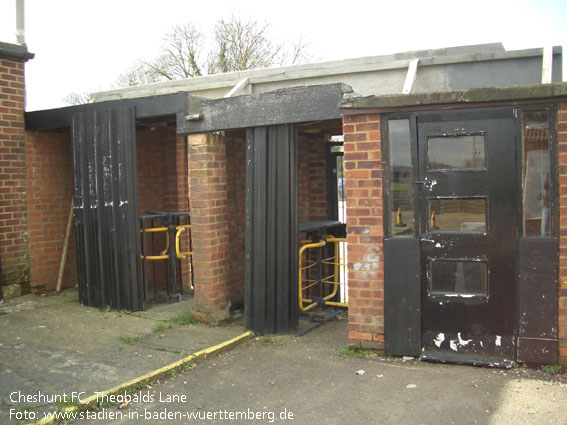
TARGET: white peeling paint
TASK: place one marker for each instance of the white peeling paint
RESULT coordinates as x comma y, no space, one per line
439,340
463,342
482,344
438,245
453,344
498,340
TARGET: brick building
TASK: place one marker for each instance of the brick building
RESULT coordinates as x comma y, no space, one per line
434,236
14,255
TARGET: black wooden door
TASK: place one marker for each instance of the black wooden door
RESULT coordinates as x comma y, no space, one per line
468,237
106,208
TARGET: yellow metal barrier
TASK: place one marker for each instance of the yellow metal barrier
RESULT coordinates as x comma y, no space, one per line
180,230
306,304
163,254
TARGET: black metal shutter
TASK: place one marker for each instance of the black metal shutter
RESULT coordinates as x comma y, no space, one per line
271,229
106,208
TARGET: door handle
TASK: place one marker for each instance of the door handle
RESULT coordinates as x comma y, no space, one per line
428,184
427,240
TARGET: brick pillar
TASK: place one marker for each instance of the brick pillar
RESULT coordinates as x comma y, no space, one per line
13,213
209,220
363,172
562,148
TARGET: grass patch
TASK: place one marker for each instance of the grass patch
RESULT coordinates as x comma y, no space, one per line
183,319
2,311
274,340
355,351
161,327
551,368
130,339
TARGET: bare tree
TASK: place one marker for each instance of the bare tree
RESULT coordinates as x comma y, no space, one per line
238,44
242,44
75,98
180,54
299,53
138,75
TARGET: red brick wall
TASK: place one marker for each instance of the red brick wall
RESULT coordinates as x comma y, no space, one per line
562,148
236,209
210,226
13,215
312,179
162,184
49,197
363,172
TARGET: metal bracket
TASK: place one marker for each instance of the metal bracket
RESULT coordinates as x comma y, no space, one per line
238,87
410,77
547,65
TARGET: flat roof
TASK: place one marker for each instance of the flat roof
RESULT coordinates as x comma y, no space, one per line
484,65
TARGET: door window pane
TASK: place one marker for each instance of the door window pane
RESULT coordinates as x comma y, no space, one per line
457,277
402,217
536,173
457,215
455,152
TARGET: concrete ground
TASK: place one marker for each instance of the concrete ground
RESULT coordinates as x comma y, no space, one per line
315,380
52,345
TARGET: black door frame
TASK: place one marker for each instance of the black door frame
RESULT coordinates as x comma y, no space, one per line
536,343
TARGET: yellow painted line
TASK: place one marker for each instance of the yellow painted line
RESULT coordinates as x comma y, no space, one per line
163,370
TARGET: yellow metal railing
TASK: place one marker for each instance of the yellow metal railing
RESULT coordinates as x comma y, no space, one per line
180,230
163,254
305,282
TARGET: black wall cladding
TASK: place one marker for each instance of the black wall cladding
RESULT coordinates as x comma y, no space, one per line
106,207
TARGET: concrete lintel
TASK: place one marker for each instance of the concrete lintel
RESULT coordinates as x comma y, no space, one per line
292,105
484,95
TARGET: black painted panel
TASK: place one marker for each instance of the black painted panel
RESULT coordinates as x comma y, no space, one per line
537,351
106,208
271,229
292,105
402,296
537,288
151,106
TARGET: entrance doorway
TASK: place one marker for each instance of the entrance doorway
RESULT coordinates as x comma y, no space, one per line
467,213
451,236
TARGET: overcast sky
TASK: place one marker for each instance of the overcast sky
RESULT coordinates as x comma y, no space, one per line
82,45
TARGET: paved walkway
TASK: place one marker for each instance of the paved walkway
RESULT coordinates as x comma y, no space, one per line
313,380
51,345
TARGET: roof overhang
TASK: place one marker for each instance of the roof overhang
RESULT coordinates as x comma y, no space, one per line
152,106
197,115
461,98
17,52
285,106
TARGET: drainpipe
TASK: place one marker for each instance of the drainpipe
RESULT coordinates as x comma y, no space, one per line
20,22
